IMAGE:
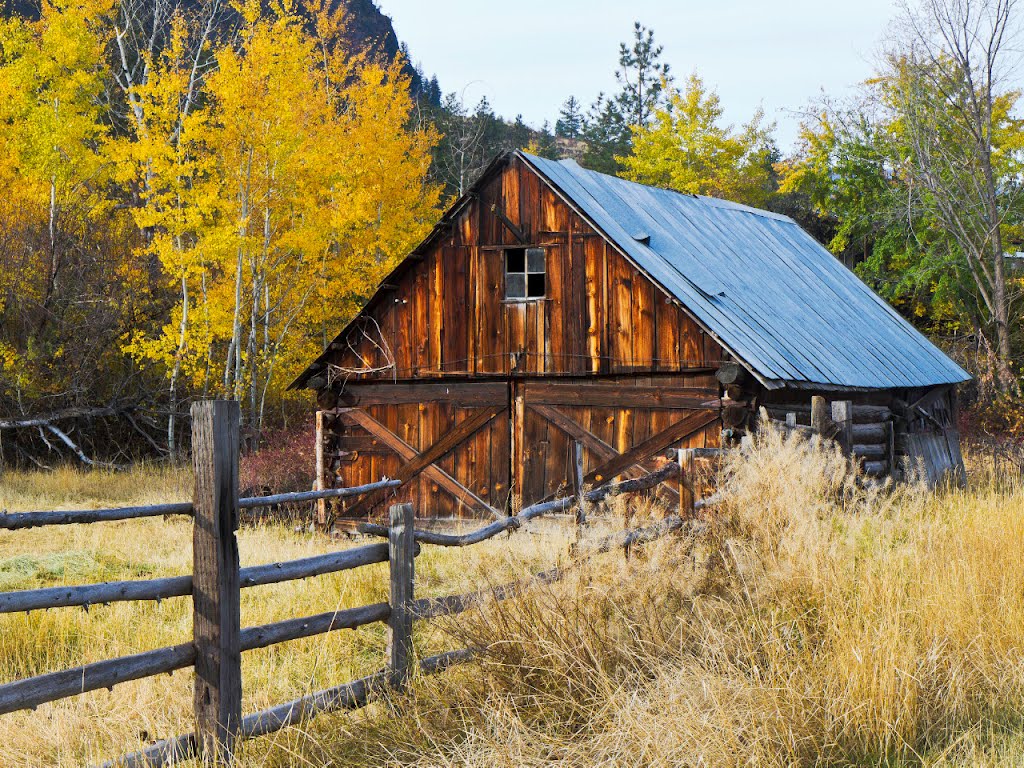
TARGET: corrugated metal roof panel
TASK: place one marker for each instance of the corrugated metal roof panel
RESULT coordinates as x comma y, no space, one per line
755,279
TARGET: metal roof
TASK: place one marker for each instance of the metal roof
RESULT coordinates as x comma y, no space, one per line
766,289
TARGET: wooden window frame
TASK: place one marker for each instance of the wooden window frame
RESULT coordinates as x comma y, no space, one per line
525,273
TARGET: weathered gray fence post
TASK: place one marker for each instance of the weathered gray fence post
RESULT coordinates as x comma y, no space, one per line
842,416
401,553
581,514
318,485
819,415
215,581
687,497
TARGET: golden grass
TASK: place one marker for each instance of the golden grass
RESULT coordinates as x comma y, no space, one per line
102,724
818,623
814,622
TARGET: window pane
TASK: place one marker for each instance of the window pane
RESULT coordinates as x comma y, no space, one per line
515,286
515,260
535,285
534,259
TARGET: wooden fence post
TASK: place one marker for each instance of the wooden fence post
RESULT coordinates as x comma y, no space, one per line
401,554
318,485
687,492
819,415
215,581
842,416
581,516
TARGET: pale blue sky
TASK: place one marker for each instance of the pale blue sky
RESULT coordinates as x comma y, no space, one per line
528,56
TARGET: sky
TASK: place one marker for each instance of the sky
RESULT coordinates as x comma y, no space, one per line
527,57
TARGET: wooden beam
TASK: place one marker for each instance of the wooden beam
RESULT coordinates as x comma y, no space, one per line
651,446
618,396
594,444
33,691
463,393
398,445
509,224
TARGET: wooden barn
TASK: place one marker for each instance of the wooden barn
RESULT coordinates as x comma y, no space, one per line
553,307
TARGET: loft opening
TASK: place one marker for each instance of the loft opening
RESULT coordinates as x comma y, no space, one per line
524,273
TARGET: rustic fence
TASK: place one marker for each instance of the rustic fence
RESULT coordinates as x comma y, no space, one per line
219,639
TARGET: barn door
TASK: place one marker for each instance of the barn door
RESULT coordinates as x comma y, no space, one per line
625,430
449,444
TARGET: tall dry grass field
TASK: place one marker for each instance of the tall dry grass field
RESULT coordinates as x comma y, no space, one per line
808,621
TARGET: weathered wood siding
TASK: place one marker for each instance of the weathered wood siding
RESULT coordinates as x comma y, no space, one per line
446,315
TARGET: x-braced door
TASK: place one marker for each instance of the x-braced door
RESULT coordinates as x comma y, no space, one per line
625,430
449,445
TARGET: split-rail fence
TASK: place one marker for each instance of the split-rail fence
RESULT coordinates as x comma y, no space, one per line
219,639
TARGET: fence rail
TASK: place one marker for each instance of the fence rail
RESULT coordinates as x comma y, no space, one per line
218,638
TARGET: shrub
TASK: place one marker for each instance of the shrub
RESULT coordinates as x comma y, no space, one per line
286,462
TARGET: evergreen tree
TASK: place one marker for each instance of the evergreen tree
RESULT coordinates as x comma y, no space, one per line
543,143
607,135
570,123
432,94
519,134
642,75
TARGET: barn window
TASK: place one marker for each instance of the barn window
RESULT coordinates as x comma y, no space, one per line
524,273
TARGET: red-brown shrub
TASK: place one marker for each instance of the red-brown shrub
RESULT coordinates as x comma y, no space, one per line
286,462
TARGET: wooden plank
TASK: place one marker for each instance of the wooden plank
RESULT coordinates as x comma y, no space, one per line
653,445
575,314
360,444
593,443
691,344
589,394
644,329
462,393
437,273
534,457
517,432
401,554
515,334
491,345
666,339
407,452
421,319
501,462
216,616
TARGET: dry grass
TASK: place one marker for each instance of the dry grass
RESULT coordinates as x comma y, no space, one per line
815,623
102,724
